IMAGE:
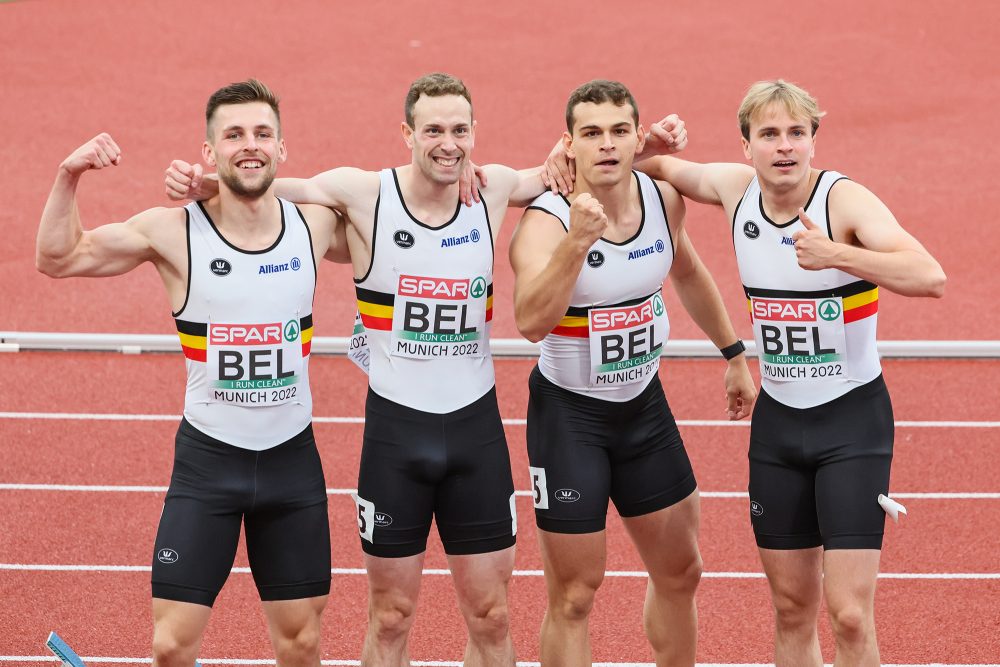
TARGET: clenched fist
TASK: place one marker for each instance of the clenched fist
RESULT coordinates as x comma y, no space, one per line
587,220
98,153
182,180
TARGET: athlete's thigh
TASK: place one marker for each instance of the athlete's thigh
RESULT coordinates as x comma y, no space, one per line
782,482
676,526
402,459
474,501
288,530
199,527
854,468
567,435
650,469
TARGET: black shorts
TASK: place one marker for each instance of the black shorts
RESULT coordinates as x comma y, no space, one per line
279,494
816,473
452,467
584,450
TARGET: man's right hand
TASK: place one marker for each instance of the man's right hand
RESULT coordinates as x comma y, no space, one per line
183,181
98,153
587,220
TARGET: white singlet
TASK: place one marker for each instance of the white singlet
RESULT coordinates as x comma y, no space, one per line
815,330
246,329
608,344
427,303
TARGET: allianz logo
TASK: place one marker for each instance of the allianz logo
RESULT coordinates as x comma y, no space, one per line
786,240
567,495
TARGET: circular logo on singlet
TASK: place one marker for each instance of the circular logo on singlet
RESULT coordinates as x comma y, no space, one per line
220,267
291,330
296,264
595,258
751,230
567,495
382,519
829,310
474,236
658,245
756,508
478,288
657,305
168,556
403,239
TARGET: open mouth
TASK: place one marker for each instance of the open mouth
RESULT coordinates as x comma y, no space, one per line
250,164
784,164
446,161
610,162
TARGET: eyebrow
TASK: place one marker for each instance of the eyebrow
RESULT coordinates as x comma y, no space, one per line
598,127
230,128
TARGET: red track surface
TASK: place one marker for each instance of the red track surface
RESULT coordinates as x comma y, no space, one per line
911,88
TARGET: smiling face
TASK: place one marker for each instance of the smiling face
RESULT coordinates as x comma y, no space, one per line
245,147
780,146
441,137
604,142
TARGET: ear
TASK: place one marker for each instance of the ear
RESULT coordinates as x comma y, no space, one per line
407,134
812,151
746,147
472,132
282,151
642,138
567,140
208,154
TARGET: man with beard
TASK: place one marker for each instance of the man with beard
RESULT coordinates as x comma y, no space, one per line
240,273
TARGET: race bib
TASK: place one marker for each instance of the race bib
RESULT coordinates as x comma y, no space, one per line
626,342
254,364
357,348
800,339
434,318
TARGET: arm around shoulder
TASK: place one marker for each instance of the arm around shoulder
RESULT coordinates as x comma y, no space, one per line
712,183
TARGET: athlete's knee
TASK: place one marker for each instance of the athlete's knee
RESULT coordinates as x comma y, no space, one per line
390,618
573,601
170,651
488,622
795,609
852,623
679,581
298,648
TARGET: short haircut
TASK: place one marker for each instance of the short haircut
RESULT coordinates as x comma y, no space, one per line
436,84
242,92
798,103
600,91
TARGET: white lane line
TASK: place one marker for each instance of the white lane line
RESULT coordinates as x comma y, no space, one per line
108,416
98,488
51,567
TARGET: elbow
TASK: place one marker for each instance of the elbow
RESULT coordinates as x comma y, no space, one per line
529,329
49,265
936,287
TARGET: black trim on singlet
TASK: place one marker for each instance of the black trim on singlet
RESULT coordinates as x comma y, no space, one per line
812,194
666,220
312,252
736,210
371,262
399,191
371,296
187,289
582,311
843,291
489,227
545,210
829,227
274,245
189,328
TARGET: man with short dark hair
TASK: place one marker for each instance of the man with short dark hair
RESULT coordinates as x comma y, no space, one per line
240,272
589,275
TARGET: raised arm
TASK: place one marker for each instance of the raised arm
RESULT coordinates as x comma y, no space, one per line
547,261
713,183
870,244
701,299
64,248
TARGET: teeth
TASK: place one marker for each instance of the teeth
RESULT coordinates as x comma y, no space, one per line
447,162
251,164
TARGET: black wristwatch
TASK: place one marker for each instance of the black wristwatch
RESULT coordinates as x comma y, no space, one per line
733,350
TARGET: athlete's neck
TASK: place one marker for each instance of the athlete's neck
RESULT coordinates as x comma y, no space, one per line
249,223
432,203
620,201
781,203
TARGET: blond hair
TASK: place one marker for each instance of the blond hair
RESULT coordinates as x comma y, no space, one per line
797,102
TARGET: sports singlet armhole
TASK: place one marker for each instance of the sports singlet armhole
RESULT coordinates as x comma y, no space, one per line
187,236
666,219
311,247
374,244
829,225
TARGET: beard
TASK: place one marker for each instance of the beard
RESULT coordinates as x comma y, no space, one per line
240,189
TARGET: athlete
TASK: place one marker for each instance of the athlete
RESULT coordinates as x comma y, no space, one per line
589,273
813,248
240,271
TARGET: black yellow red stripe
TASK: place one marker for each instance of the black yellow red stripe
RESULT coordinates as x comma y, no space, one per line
376,308
194,337
860,299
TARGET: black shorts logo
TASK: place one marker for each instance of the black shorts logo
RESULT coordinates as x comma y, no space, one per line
756,508
751,230
220,267
595,258
403,239
567,495
382,519
168,556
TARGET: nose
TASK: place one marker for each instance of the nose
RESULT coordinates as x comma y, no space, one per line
607,144
251,143
785,144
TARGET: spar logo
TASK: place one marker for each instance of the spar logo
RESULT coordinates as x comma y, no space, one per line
449,289
168,556
291,330
612,319
248,334
829,310
778,310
